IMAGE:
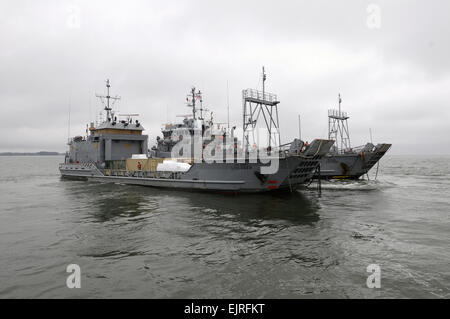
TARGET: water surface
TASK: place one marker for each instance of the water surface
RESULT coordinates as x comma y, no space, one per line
138,242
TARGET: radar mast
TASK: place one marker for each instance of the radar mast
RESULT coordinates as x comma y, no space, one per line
258,105
338,128
108,97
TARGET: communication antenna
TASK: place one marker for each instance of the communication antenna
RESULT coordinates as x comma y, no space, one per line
190,100
68,126
90,109
99,118
263,79
338,127
108,106
199,96
228,108
340,101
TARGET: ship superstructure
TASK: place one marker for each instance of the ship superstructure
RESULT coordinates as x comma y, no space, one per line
115,138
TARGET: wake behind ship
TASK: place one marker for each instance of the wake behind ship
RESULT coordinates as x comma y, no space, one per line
115,150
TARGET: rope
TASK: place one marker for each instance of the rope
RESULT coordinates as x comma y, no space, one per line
378,165
318,149
289,176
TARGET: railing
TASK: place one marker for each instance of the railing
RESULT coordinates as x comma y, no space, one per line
337,114
141,174
70,140
350,150
258,95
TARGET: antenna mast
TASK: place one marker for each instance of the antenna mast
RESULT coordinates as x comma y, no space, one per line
338,128
263,79
68,127
228,108
199,95
108,107
192,102
256,104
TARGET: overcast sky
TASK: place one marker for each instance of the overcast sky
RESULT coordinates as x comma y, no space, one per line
390,61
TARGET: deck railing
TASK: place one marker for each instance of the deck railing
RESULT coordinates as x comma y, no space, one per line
350,150
337,114
259,95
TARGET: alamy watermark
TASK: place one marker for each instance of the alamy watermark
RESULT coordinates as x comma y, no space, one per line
374,16
374,279
209,148
74,279
73,20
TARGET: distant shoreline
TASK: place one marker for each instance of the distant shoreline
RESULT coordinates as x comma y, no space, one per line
42,153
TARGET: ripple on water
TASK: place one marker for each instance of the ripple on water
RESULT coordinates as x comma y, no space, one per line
143,242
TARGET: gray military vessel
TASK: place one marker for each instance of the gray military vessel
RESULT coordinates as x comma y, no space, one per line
344,161
115,150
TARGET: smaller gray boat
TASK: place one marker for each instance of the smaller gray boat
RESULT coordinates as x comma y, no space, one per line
344,161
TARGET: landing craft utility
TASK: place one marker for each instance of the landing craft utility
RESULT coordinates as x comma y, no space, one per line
196,154
344,161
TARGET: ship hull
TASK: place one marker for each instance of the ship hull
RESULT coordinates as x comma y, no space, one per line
350,166
218,177
290,171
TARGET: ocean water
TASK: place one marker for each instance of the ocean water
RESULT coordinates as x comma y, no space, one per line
137,242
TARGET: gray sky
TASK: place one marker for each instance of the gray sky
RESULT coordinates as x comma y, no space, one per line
392,69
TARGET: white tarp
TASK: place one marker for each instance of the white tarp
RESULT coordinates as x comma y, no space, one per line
172,166
138,156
